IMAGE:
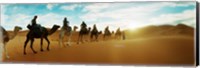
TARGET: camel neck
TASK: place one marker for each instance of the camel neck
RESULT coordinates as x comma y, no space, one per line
14,34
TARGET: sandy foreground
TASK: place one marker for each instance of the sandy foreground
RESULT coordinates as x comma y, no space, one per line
169,50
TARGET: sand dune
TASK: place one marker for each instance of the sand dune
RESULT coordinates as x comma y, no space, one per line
167,45
161,50
162,30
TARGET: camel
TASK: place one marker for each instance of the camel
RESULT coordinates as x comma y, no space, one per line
107,33
119,34
7,37
112,34
38,32
83,31
95,33
75,28
65,30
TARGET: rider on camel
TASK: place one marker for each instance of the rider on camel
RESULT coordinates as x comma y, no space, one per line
34,24
65,23
83,24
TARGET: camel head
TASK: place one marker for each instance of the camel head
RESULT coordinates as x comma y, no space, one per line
75,28
17,28
29,26
100,32
89,28
94,25
56,26
53,29
113,32
118,29
107,27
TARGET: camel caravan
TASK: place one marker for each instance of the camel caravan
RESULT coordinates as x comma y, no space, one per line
36,31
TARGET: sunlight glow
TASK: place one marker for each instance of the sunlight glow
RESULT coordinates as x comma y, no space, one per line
134,26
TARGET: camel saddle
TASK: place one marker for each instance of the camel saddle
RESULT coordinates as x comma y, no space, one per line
37,29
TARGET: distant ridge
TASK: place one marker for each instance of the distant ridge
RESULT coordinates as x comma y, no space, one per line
162,30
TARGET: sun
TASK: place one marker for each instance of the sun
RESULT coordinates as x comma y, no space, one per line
133,26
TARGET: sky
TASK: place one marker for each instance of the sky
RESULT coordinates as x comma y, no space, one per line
129,15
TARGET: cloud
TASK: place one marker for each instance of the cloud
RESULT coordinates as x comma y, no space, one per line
124,10
9,21
15,20
96,7
175,4
70,7
186,17
46,20
50,6
132,16
104,10
119,14
124,15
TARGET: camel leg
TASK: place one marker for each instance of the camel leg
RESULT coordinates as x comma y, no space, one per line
60,40
61,37
61,43
78,39
91,37
32,40
5,50
47,42
88,37
104,37
25,44
81,38
69,39
41,44
96,37
85,37
123,36
115,37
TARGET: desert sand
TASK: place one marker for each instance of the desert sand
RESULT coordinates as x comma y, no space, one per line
157,50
